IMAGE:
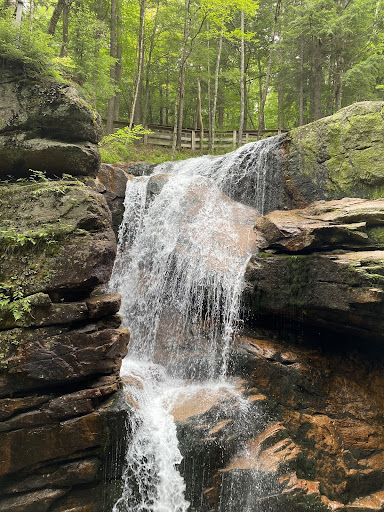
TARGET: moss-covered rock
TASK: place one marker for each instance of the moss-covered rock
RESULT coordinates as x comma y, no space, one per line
337,156
55,236
47,128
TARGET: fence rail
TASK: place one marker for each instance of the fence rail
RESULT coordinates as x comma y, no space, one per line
191,139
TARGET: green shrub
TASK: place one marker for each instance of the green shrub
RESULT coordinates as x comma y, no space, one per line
28,49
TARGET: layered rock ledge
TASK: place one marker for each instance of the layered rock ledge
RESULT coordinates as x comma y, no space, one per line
323,265
61,347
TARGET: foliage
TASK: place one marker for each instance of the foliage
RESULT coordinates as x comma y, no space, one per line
30,49
117,147
323,54
12,301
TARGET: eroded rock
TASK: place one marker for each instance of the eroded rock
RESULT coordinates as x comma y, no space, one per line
323,265
60,348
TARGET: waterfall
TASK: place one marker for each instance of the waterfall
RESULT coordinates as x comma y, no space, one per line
184,243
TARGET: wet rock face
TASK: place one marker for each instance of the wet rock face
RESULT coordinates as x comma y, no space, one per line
46,127
337,156
113,181
323,266
300,430
324,441
61,348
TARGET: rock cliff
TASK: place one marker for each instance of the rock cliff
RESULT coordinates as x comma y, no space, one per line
323,266
61,344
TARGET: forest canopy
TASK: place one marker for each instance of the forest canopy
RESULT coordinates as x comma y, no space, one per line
216,64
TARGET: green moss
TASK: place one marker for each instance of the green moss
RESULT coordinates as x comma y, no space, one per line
342,154
298,277
9,341
376,234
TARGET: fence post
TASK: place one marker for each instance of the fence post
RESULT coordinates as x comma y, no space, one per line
193,140
247,138
234,138
145,138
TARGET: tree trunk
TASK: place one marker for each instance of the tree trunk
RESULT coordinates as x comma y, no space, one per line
280,96
118,65
136,104
199,113
242,73
179,100
112,72
210,126
66,9
318,80
161,118
55,16
148,65
269,69
216,88
301,88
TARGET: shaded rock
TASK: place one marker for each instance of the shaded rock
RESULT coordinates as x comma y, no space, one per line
308,448
69,405
55,235
337,156
77,472
47,128
19,155
319,279
114,181
38,501
136,168
36,358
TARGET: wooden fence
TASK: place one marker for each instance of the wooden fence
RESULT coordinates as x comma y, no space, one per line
190,139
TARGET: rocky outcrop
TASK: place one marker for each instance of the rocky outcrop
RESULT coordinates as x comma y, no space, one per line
297,429
112,183
322,446
335,157
45,127
323,266
60,348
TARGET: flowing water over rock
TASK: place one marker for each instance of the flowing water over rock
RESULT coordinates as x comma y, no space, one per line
185,241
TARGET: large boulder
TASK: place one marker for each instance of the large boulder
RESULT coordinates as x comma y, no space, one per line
46,127
323,265
337,156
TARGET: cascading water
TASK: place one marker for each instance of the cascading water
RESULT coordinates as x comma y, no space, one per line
183,248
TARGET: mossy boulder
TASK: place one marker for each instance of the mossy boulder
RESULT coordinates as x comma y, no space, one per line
337,156
46,127
55,237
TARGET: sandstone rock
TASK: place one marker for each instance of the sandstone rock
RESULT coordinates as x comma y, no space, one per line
337,156
47,128
320,428
345,224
